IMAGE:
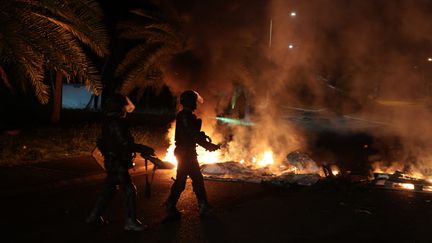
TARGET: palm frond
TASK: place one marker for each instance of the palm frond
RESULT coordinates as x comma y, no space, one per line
30,64
158,40
72,58
135,57
138,77
142,13
72,17
36,35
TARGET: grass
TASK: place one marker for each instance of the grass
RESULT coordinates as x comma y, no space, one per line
37,144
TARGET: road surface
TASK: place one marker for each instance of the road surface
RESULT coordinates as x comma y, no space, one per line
327,212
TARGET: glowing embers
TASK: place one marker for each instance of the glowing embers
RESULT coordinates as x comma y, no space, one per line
407,186
335,170
266,160
401,181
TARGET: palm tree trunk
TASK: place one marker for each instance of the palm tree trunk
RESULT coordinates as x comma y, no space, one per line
57,102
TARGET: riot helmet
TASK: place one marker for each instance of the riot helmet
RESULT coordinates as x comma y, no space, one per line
189,99
118,104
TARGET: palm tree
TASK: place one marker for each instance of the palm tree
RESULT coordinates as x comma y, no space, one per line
155,41
36,36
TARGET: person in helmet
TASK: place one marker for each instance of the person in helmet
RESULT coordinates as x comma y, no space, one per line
118,147
187,135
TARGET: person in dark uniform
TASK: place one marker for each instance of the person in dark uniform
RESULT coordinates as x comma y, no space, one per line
187,135
118,147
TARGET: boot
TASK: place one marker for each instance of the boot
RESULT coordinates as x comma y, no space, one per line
204,208
134,225
96,219
172,213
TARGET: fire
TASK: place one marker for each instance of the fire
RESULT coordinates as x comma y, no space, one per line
169,156
204,156
263,159
266,160
207,157
412,178
407,186
380,167
335,170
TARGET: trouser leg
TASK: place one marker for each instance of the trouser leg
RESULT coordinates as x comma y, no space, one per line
198,183
108,192
129,191
177,187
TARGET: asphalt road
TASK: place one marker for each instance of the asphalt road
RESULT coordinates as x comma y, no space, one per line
326,212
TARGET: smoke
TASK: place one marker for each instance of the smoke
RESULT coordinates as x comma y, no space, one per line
365,59
221,36
375,55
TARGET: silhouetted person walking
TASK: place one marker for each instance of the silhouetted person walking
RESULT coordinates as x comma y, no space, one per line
187,135
117,146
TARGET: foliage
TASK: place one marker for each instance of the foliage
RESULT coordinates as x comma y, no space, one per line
41,35
48,143
156,40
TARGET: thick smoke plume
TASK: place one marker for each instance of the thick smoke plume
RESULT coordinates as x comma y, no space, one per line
366,60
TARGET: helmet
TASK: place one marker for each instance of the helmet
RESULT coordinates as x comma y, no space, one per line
189,99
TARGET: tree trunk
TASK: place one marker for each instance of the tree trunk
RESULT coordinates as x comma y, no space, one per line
57,102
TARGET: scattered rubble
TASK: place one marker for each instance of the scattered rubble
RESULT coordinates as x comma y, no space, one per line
297,169
399,180
287,179
226,168
302,162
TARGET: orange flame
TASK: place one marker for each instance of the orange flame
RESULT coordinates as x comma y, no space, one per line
380,167
204,156
263,159
407,186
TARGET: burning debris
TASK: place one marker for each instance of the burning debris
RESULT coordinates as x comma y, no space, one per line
399,180
235,171
297,169
301,162
412,174
231,171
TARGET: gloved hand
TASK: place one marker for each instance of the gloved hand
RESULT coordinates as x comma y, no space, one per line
206,142
212,147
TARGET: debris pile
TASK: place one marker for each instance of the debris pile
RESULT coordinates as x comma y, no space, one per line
297,169
399,180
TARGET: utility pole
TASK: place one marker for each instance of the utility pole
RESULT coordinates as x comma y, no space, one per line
270,33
